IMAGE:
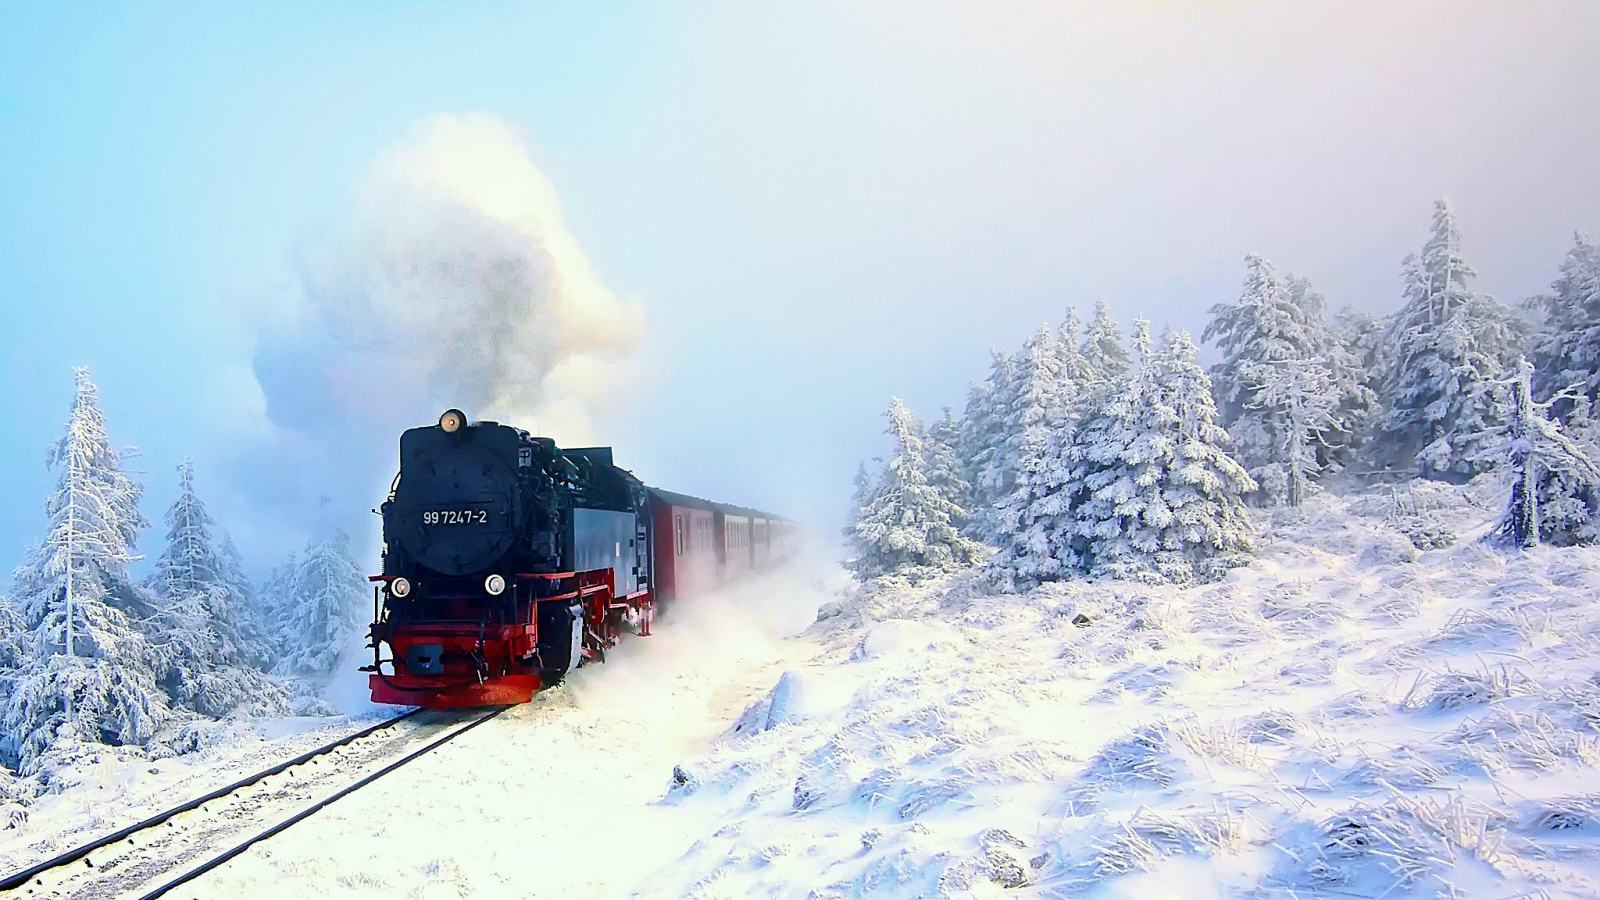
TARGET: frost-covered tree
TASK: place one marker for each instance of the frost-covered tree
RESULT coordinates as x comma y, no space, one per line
327,604
945,473
1301,392
859,498
207,660
906,526
255,628
1443,350
84,673
1104,355
1075,368
982,447
1360,335
1567,350
1555,486
1035,533
1278,333
1029,520
1030,406
1157,495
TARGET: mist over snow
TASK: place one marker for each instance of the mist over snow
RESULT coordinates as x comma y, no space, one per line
455,283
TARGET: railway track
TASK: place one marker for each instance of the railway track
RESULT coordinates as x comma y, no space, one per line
152,857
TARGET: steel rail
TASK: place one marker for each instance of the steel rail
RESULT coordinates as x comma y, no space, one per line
21,878
312,810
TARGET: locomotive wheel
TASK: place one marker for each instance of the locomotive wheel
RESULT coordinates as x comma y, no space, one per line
560,634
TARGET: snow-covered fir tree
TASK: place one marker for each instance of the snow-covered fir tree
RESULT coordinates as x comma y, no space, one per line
1158,496
1566,352
1040,393
1555,481
1031,516
326,608
1075,368
859,498
945,469
1443,351
1104,355
207,658
1278,333
906,527
1352,379
84,672
254,625
1035,530
1029,408
1360,335
1301,393
983,443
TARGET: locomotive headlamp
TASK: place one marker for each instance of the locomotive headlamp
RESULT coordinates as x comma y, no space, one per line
400,588
452,420
495,585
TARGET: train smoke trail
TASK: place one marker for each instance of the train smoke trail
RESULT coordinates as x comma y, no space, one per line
456,284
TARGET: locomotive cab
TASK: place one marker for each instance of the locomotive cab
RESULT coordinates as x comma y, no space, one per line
507,563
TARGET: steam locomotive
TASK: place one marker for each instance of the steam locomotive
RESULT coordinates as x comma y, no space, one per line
508,562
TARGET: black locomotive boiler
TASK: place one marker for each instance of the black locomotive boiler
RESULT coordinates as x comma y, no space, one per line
509,561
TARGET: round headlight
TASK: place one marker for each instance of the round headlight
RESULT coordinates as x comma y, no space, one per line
400,587
452,420
495,585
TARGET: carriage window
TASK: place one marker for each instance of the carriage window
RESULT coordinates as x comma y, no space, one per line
677,528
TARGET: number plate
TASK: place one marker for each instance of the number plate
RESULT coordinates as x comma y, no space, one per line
455,517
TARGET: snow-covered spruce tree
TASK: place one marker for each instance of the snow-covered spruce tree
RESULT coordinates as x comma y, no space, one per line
983,442
1566,352
1035,534
1442,351
207,661
1104,356
1352,379
1030,517
1360,335
254,625
859,499
84,673
1278,332
1157,497
1555,487
1301,392
905,528
1040,392
945,467
1075,367
327,604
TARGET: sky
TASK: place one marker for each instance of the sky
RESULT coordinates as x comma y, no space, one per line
780,215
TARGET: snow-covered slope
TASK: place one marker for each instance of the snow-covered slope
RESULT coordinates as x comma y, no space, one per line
1348,716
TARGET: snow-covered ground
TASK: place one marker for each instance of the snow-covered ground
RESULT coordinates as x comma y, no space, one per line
1348,716
560,794
1342,718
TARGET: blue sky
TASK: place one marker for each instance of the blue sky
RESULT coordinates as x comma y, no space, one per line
817,206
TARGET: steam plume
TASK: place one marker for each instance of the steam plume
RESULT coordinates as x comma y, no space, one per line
457,284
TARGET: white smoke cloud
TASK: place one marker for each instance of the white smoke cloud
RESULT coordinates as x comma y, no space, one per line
458,284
